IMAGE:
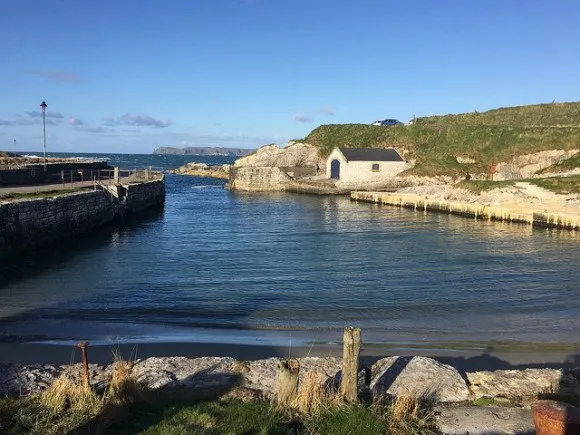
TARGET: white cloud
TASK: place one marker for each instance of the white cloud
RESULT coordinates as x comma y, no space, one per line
299,117
37,114
75,121
137,121
55,76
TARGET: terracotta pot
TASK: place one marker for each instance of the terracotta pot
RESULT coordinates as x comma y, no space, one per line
555,418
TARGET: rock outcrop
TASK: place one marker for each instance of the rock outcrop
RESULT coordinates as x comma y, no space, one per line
204,170
526,166
295,154
272,168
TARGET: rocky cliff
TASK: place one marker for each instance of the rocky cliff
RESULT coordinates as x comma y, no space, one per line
295,154
272,168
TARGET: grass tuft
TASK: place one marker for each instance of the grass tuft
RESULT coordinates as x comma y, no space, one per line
123,387
312,394
64,394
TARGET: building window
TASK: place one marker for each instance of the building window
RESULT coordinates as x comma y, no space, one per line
375,167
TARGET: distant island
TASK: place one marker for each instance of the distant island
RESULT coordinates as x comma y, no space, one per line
205,151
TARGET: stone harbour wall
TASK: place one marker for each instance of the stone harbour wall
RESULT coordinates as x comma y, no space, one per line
26,224
140,196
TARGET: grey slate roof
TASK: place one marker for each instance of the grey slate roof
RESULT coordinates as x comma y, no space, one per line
371,154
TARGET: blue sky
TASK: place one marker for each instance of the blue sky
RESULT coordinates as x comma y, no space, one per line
132,75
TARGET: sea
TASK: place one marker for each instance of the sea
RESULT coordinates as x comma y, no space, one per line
215,266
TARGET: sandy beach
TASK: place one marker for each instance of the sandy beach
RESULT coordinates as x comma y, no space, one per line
464,361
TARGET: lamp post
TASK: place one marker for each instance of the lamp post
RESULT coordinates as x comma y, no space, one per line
43,107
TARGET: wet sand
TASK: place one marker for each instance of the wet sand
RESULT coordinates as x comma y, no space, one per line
465,361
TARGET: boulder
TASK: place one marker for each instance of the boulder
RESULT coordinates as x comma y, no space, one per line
20,380
98,375
418,376
295,154
262,375
522,384
180,372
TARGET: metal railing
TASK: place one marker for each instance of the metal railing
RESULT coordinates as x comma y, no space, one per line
106,176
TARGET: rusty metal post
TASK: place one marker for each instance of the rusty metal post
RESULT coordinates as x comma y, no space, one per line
83,346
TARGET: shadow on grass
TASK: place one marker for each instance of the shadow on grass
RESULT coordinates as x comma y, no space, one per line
152,407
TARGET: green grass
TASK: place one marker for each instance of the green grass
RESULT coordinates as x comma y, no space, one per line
492,401
207,418
478,186
562,185
355,419
435,142
161,416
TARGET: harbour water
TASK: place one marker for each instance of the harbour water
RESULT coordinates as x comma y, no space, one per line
279,269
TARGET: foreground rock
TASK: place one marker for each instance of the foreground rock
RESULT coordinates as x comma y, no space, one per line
262,375
393,376
479,420
22,380
526,385
180,372
204,170
418,376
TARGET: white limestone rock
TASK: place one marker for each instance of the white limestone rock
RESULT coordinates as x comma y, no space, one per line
18,380
295,154
522,384
418,376
180,372
262,375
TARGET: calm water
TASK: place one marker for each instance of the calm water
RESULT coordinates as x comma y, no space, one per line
217,266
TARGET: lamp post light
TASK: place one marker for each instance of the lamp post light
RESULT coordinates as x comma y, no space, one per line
43,106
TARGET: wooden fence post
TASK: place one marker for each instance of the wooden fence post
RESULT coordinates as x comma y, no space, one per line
289,371
350,354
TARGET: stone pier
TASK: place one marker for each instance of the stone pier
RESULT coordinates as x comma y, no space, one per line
29,223
502,213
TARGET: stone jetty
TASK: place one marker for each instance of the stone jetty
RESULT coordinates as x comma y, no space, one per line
568,219
27,223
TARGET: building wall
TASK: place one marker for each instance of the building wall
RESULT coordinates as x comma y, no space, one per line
361,171
25,224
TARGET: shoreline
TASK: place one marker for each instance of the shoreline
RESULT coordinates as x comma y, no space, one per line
462,360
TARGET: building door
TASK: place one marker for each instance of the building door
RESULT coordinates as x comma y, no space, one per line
335,169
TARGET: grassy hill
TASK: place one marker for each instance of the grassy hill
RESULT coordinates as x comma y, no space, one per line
435,141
